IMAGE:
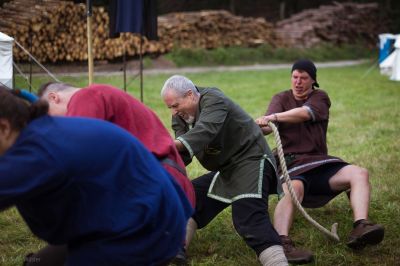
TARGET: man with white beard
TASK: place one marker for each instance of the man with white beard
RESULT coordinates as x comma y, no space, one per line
228,143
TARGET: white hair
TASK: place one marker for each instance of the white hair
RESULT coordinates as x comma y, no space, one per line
178,84
54,87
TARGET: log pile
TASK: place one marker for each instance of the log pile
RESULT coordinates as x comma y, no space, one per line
57,31
212,29
336,24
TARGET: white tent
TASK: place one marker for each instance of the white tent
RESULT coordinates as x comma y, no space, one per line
391,64
6,60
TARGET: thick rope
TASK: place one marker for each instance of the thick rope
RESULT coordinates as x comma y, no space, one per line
333,233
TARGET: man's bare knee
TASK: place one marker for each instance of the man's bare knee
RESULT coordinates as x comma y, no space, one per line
298,188
360,176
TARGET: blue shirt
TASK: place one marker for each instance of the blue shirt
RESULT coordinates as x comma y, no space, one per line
91,185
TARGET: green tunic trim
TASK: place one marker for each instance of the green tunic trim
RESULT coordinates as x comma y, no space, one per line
257,195
186,144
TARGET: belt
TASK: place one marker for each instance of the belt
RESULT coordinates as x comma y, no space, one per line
289,158
173,164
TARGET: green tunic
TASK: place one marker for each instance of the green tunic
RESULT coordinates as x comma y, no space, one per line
225,139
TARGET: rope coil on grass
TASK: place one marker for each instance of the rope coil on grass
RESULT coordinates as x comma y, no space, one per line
333,233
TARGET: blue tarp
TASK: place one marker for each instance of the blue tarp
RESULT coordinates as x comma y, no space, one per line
136,16
386,45
129,16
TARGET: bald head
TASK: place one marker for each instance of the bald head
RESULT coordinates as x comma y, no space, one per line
58,95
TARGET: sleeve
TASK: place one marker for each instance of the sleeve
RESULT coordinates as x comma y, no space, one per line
26,171
180,127
318,106
275,106
87,104
211,120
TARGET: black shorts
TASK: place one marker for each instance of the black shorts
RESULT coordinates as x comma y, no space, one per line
317,191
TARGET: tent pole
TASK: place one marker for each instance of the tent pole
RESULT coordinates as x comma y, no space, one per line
124,59
89,39
13,84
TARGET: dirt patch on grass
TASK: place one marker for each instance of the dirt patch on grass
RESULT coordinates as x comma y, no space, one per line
159,62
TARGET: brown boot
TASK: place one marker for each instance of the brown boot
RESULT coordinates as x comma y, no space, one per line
294,255
365,233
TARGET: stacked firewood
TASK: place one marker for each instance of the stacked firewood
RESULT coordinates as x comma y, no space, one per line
336,24
212,29
56,31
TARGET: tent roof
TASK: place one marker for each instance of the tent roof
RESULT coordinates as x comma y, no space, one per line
5,38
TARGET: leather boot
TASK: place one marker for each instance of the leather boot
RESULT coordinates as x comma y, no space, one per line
294,255
365,233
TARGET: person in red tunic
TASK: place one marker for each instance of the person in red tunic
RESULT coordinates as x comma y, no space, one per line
116,106
302,115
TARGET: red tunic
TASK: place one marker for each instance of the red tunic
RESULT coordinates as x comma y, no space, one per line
109,103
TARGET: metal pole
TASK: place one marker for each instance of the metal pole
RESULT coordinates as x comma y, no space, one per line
89,39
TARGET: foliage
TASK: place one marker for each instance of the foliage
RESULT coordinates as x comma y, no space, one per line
363,129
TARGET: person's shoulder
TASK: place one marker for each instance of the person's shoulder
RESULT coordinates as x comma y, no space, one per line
38,122
320,93
283,94
211,92
101,89
212,97
95,91
39,127
86,91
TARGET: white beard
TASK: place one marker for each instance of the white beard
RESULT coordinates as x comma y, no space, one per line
190,119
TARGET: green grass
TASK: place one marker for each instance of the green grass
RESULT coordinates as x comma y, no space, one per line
363,130
265,54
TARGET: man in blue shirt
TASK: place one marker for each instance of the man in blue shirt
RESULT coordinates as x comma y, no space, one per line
89,185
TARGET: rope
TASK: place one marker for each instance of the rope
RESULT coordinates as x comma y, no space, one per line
333,233
37,62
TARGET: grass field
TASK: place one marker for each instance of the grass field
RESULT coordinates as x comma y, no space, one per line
363,130
266,54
